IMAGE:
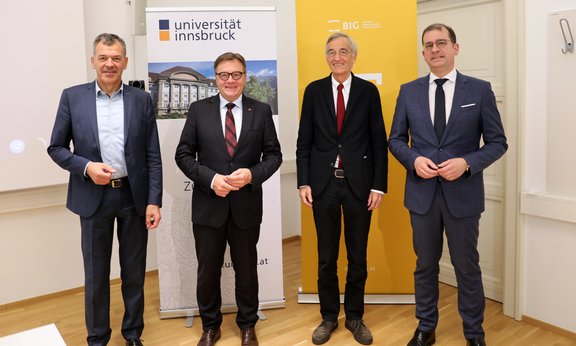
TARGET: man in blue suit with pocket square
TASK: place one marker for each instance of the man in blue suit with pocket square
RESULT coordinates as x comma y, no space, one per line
115,176
438,125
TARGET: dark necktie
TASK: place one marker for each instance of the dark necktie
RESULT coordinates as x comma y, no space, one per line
340,109
230,133
440,108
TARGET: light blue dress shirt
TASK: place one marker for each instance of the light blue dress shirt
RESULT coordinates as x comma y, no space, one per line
110,118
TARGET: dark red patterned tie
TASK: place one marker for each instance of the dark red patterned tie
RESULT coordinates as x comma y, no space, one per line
230,134
340,109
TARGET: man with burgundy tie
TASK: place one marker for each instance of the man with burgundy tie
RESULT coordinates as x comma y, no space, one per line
342,167
228,147
438,125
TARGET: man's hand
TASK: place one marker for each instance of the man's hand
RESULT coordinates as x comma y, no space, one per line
240,178
99,172
425,168
152,216
306,195
374,200
452,169
221,186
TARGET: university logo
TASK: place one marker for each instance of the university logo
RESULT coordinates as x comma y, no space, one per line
164,29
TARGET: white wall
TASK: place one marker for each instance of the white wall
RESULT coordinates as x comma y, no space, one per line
40,239
549,229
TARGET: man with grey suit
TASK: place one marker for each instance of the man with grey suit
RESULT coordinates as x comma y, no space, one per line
438,125
115,176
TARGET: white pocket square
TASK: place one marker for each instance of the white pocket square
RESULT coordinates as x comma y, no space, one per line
468,105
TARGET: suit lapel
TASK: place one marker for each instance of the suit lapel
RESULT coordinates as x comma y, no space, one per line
128,110
247,121
217,123
328,99
458,99
424,104
91,111
353,97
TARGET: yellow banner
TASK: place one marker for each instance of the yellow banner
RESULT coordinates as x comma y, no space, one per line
386,34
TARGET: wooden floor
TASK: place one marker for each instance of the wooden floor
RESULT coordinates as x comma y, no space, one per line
293,325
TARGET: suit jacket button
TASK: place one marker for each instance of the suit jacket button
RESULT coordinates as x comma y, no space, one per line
339,145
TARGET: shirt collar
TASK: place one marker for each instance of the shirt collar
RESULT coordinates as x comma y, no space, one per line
237,102
100,92
451,76
346,83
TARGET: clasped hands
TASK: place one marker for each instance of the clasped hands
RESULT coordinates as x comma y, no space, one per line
449,170
223,184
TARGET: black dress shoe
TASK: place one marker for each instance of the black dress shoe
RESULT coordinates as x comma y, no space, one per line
134,342
421,338
476,341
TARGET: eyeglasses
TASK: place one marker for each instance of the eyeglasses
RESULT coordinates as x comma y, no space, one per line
225,75
440,43
343,52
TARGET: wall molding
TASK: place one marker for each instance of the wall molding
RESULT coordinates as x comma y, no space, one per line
41,197
428,6
548,206
55,195
288,167
492,286
549,327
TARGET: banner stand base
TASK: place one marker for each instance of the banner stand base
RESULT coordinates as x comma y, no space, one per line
312,298
189,323
190,313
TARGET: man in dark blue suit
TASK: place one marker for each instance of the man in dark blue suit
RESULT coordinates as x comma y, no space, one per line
438,124
115,175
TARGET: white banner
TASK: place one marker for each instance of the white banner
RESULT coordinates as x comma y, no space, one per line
182,46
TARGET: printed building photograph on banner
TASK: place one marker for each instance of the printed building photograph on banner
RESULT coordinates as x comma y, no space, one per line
174,86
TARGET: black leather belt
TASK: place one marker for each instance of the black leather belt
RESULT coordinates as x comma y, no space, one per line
118,183
339,173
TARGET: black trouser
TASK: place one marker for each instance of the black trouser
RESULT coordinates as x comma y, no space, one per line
328,208
210,249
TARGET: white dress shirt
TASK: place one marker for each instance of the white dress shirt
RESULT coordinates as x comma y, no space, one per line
448,87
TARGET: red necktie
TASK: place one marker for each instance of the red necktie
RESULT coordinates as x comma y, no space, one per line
340,109
230,133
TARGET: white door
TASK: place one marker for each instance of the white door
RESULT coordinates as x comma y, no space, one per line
479,31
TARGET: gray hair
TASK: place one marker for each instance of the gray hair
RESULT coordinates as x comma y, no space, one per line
108,39
351,42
